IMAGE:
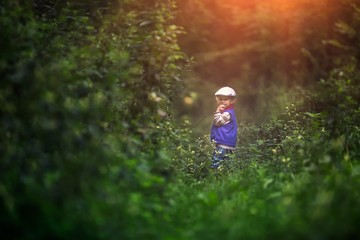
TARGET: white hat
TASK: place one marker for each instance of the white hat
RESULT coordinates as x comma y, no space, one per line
226,91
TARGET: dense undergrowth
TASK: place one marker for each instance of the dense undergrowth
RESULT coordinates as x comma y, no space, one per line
295,177
90,150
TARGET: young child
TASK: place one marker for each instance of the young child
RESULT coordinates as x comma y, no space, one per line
224,127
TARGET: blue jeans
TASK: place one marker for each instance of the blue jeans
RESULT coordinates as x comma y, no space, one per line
220,154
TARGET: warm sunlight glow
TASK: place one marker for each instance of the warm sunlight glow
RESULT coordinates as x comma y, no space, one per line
236,30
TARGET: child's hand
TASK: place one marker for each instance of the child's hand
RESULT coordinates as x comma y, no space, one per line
220,108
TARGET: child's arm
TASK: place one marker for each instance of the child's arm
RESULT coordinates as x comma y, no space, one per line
221,118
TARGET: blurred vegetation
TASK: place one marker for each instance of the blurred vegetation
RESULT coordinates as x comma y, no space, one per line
105,107
263,49
86,96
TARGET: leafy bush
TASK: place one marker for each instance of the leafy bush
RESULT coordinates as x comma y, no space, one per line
85,108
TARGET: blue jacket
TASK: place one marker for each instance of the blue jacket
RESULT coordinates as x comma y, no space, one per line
225,134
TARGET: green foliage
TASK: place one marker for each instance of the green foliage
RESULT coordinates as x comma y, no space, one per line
291,177
295,176
85,108
339,100
90,148
258,204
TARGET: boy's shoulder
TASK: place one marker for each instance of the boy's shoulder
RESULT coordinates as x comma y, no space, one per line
230,110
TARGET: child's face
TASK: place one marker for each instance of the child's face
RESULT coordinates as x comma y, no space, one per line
226,101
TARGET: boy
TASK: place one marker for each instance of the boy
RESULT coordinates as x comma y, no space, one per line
224,127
